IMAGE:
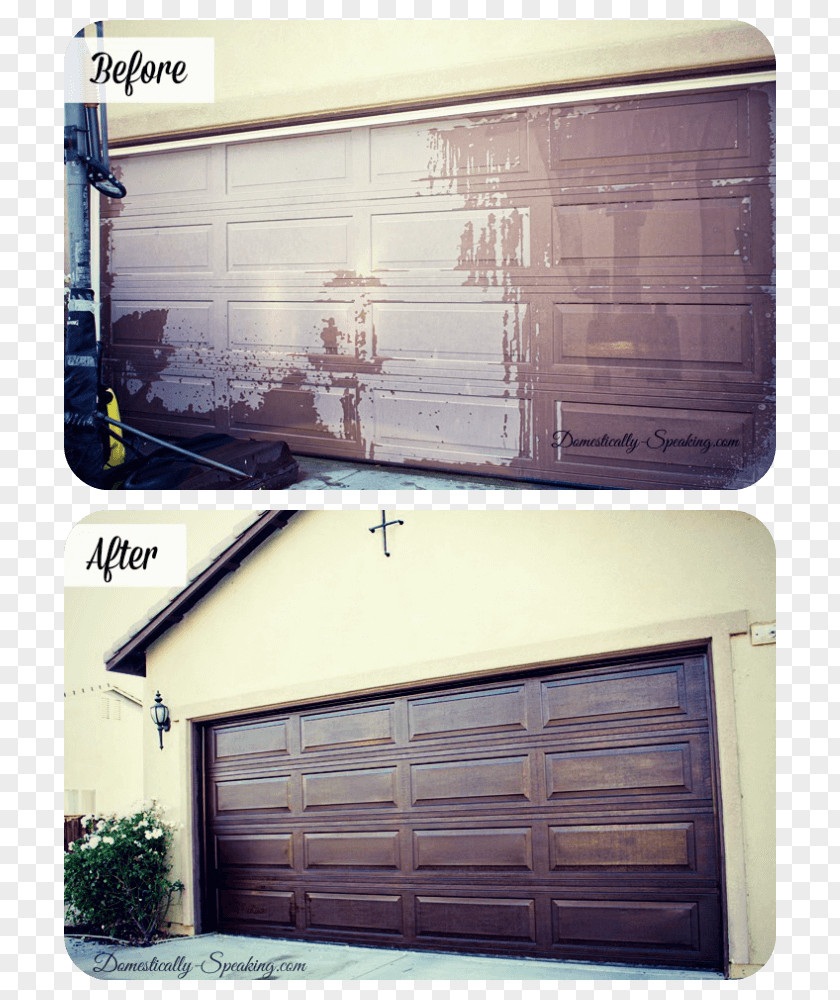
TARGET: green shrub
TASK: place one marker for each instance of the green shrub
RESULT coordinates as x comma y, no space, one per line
116,877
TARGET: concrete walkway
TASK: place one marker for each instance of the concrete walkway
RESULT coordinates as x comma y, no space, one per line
330,474
221,956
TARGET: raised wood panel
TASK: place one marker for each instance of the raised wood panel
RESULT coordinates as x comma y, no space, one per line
264,850
655,335
150,324
250,739
465,427
631,923
468,240
350,789
367,727
633,695
449,149
288,244
256,907
652,435
256,793
474,333
623,846
632,232
467,713
622,769
670,128
352,849
315,412
174,249
155,177
354,912
299,162
473,849
470,781
291,327
493,919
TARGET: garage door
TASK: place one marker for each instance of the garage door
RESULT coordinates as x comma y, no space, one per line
578,293
569,815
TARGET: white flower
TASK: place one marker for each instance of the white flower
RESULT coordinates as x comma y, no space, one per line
70,848
148,835
100,825
94,841
107,840
85,847
157,832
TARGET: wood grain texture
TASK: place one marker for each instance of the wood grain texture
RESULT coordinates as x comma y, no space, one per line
566,813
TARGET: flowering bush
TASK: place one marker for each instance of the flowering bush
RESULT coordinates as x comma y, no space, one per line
116,877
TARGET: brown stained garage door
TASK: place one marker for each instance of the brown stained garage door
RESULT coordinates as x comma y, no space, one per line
578,293
569,815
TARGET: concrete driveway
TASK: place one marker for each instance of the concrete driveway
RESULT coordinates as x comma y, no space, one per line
221,956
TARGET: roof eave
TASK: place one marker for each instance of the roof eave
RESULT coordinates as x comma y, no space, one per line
130,658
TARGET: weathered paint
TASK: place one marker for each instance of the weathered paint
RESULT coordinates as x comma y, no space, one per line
439,293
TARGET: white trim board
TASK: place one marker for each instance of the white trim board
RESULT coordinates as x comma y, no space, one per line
448,111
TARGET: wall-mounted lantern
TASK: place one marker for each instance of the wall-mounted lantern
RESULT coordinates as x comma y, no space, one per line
160,717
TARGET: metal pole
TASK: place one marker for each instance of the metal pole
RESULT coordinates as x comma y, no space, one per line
173,447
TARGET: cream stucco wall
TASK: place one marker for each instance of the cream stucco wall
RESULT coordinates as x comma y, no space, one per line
285,70
319,611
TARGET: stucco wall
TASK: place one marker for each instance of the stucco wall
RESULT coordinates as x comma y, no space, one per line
318,610
282,70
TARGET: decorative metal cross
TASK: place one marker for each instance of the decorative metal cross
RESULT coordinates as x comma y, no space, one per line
384,526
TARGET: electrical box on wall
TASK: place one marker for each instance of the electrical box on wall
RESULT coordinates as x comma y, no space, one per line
762,633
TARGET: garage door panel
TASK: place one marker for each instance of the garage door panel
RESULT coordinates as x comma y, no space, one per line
285,244
670,131
294,164
697,339
308,411
628,770
675,691
331,730
663,843
346,789
449,149
382,914
250,739
473,781
452,332
465,429
497,919
467,713
261,851
703,234
470,240
352,850
647,436
473,849
618,249
463,817
291,327
248,908
153,249
627,923
258,793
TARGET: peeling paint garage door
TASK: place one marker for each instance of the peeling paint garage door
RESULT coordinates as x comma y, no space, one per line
577,293
569,814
